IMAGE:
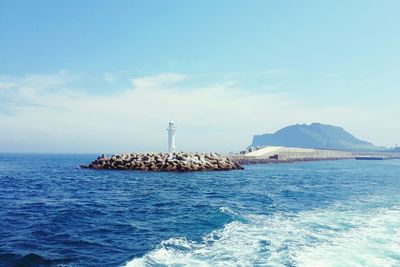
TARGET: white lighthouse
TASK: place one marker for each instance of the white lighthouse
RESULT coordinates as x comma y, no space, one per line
171,137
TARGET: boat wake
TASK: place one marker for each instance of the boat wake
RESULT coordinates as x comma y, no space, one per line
350,235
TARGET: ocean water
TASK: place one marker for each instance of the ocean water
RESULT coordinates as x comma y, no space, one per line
330,213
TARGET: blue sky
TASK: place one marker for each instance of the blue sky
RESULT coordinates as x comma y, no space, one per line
334,62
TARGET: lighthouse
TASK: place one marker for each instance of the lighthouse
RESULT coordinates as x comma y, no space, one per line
171,137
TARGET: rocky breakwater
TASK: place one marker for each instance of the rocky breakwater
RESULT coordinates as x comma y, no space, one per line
179,161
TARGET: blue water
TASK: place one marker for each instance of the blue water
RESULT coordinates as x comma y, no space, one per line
331,213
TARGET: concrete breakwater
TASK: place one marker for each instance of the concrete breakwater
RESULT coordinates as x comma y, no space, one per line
254,160
177,161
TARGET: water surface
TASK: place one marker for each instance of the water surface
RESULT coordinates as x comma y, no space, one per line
331,213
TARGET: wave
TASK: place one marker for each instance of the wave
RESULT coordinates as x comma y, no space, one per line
32,259
351,235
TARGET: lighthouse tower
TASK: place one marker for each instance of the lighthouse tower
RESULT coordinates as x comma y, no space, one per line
171,137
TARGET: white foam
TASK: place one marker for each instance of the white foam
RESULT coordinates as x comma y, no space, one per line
332,237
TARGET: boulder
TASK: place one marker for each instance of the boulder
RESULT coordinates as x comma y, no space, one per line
183,162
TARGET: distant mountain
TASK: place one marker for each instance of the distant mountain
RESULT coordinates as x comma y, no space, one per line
315,135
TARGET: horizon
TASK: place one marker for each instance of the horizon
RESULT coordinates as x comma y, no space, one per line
83,77
388,149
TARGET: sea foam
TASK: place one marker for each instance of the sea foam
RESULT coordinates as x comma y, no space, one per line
337,236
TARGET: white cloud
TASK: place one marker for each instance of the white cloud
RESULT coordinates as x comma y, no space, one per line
215,117
109,77
155,81
7,85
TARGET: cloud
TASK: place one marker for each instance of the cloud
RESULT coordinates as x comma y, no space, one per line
28,90
52,115
155,81
7,85
109,77
41,81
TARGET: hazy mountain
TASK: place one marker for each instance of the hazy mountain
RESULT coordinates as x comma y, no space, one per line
315,135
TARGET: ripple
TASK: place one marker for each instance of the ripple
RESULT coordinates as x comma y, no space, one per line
31,259
54,214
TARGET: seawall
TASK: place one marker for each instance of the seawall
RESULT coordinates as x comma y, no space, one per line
275,154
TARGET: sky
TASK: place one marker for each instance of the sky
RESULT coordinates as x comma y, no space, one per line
107,76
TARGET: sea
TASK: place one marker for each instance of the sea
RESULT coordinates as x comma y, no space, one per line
326,213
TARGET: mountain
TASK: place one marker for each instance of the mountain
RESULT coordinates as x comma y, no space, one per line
315,135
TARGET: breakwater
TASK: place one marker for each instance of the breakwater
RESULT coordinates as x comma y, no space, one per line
259,160
177,161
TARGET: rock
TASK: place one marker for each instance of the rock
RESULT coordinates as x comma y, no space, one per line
180,161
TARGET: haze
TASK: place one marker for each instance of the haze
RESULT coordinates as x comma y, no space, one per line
107,76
